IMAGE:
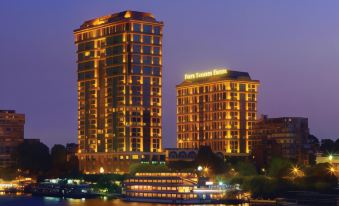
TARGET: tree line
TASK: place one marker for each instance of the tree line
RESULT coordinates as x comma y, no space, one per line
35,159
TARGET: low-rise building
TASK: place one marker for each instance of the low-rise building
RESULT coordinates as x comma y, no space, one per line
285,137
11,135
71,150
180,154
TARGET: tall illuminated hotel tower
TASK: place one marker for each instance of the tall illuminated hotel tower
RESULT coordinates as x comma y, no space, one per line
217,108
119,90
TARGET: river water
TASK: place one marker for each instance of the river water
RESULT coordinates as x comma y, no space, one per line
26,200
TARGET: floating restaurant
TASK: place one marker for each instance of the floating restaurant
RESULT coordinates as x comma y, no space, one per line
179,188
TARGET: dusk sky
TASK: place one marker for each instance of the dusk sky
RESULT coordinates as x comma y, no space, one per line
291,46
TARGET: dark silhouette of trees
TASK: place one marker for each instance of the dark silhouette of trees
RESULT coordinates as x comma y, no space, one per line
33,158
59,161
327,146
207,158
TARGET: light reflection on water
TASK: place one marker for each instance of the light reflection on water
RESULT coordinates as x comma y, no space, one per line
26,200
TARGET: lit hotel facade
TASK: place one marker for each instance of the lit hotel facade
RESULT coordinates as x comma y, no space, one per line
217,108
119,91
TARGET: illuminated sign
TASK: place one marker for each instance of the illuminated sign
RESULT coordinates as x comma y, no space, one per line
213,72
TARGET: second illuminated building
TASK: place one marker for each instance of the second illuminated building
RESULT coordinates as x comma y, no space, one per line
217,108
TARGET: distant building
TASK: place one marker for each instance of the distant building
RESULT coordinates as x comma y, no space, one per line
119,90
180,154
31,141
11,135
71,150
217,108
286,137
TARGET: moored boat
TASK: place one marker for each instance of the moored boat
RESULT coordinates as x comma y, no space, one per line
173,188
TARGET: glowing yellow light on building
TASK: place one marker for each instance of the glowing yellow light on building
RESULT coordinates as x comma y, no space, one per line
213,72
128,15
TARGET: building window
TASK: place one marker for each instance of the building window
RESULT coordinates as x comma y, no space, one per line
156,60
136,69
136,144
156,50
156,40
147,39
147,71
136,37
136,48
157,30
156,145
147,59
136,27
156,71
147,29
136,59
146,50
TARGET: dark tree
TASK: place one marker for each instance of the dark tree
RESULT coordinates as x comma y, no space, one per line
313,140
33,158
336,145
327,146
207,158
315,145
72,166
59,159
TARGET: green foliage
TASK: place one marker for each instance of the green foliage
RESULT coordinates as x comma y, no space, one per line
246,168
110,183
138,167
279,167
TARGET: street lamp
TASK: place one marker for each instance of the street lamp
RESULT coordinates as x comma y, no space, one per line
206,169
330,157
296,171
332,170
199,168
102,170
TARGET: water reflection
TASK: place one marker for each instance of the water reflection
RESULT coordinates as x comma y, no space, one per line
26,200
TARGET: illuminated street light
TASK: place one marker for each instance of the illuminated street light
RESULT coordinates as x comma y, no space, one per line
332,170
206,169
102,170
199,168
330,157
297,171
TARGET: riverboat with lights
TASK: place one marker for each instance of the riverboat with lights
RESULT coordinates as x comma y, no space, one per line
173,188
